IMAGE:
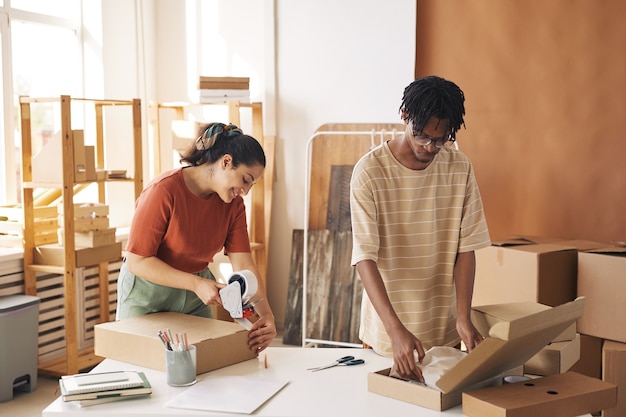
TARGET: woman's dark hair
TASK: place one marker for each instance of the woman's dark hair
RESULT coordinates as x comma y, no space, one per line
217,140
433,96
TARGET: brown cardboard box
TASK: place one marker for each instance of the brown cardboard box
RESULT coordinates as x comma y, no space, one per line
45,223
509,344
90,239
563,395
381,383
543,273
53,254
614,371
601,280
87,210
90,163
134,340
485,317
556,358
590,362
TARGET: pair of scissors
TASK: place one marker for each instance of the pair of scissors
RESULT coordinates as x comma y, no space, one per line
345,361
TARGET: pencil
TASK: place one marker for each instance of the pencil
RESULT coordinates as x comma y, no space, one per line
169,333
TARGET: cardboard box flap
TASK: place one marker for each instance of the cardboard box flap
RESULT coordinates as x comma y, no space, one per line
561,316
485,317
512,241
581,245
610,250
197,328
510,344
515,240
546,248
569,394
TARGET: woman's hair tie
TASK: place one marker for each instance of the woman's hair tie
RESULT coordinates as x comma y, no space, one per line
211,134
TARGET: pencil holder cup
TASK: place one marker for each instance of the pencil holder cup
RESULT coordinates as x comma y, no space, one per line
180,367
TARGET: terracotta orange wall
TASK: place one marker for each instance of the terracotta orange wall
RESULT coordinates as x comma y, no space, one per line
545,86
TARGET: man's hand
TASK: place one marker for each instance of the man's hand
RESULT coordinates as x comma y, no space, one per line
468,333
404,345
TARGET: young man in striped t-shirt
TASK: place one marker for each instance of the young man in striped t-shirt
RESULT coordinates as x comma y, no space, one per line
417,218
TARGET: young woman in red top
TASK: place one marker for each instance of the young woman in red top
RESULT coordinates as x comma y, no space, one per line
182,219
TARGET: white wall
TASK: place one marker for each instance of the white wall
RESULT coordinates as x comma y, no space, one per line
310,61
337,61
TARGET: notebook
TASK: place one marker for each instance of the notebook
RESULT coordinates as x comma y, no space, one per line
104,381
104,400
107,392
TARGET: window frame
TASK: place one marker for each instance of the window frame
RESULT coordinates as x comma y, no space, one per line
9,124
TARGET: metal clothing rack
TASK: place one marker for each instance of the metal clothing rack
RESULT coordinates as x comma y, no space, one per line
374,134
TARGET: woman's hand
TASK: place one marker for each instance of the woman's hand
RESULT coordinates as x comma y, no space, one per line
261,333
208,291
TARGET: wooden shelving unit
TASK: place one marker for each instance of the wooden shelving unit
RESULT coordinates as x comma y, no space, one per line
261,195
75,358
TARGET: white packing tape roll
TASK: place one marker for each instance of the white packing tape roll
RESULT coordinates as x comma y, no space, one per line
247,281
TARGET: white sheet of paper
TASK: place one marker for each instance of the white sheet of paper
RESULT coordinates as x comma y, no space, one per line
231,394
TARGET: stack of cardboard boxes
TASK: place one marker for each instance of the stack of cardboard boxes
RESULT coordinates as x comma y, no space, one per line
94,239
602,280
12,225
91,225
552,272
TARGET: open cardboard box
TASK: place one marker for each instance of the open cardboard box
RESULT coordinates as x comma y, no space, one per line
508,345
134,340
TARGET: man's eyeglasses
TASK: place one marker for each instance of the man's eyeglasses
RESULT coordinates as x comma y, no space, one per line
425,140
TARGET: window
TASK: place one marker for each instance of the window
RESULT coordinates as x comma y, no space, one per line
41,57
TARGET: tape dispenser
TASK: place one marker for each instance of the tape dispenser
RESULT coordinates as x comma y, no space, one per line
242,285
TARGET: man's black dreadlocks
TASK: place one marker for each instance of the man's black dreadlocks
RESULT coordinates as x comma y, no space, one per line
433,96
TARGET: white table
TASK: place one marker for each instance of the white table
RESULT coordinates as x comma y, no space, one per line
339,391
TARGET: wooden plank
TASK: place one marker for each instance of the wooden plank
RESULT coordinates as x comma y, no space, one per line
319,273
338,216
292,331
320,262
341,281
342,149
333,292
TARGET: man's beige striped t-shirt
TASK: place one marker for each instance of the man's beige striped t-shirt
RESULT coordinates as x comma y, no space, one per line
412,223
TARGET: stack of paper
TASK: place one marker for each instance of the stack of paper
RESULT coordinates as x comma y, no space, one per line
95,388
220,89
